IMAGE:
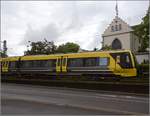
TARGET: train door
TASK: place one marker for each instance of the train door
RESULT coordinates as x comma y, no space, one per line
58,64
117,65
2,66
64,64
5,66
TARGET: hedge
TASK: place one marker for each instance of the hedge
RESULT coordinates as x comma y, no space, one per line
143,70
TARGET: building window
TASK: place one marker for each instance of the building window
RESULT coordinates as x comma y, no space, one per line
116,27
116,44
112,28
120,27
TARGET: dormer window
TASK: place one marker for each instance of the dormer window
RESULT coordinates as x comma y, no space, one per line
112,28
116,27
120,27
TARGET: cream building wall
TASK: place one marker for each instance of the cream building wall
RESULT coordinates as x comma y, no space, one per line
124,38
135,44
124,34
142,56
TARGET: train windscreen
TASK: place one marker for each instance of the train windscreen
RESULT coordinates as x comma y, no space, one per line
124,59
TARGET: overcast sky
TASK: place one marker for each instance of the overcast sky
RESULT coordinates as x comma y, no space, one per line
82,22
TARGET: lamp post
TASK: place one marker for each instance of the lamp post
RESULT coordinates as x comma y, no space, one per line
4,50
0,46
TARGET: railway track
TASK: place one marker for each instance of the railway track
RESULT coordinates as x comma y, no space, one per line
137,86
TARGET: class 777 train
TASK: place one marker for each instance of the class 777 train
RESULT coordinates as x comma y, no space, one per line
120,63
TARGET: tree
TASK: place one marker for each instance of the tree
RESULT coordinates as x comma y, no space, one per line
106,47
95,49
142,31
69,47
46,47
41,47
3,55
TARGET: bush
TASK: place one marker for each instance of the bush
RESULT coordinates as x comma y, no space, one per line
145,62
143,70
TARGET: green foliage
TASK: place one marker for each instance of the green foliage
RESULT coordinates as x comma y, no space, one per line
95,49
145,62
3,55
107,47
40,47
143,70
142,31
68,48
46,47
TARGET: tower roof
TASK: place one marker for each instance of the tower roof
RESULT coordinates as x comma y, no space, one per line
116,8
117,21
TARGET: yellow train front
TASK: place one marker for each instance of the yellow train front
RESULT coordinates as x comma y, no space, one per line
96,64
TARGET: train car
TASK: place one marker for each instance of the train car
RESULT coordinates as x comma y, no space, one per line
104,63
97,64
9,65
38,65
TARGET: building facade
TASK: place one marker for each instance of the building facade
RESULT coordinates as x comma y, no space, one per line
119,35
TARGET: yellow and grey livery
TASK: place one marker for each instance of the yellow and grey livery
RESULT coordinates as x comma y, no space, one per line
100,64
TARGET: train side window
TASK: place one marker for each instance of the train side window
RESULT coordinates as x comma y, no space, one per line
12,64
46,63
37,64
49,63
30,64
42,63
27,64
53,63
79,62
90,62
75,62
103,61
